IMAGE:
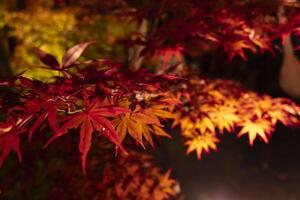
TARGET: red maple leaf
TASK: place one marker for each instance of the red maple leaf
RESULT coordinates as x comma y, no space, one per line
69,59
9,139
50,113
92,118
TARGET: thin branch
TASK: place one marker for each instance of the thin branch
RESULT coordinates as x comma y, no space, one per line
135,58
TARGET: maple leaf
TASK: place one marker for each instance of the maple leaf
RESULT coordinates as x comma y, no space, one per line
238,48
51,114
204,124
284,111
221,105
140,123
171,52
135,177
9,139
187,126
165,188
258,128
69,59
224,117
92,118
9,142
201,143
267,111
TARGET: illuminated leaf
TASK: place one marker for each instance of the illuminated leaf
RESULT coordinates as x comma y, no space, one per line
258,128
201,143
141,123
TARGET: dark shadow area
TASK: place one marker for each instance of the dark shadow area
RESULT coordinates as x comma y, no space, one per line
238,171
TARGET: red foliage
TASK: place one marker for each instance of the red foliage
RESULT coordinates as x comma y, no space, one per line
107,98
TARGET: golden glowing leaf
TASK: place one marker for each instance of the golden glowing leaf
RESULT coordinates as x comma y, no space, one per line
212,106
283,111
224,118
205,124
259,128
185,123
202,143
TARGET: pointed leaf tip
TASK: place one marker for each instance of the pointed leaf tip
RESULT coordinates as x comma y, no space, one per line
46,58
74,53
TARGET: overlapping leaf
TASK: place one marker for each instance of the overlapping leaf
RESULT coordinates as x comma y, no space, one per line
92,118
142,123
202,144
69,59
213,106
119,182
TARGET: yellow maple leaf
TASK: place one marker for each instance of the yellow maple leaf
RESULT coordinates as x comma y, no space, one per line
259,128
205,124
283,111
224,117
186,125
202,143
